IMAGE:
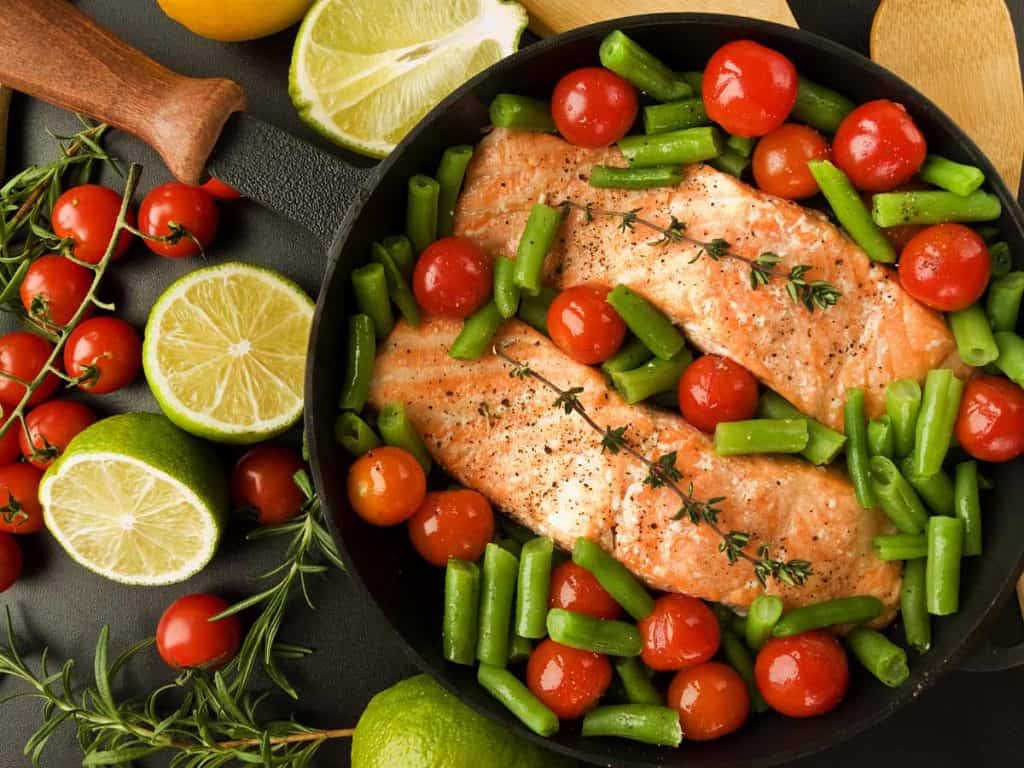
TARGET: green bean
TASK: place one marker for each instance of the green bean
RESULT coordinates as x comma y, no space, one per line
682,147
891,209
522,113
362,350
741,438
857,446
693,79
398,286
823,444
632,354
881,441
450,174
461,611
968,505
578,630
954,177
762,616
355,435
421,211
902,403
897,497
935,490
370,287
400,249
1011,356
879,656
396,429
510,691
651,378
1001,258
1003,303
626,58
942,574
610,177
820,107
647,322
533,310
973,334
647,723
537,239
917,624
636,681
738,657
519,648
533,587
730,162
477,331
506,292
841,610
688,113
614,577
742,145
900,546
497,588
939,406
849,208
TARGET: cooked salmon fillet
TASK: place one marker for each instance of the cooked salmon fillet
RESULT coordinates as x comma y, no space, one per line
503,436
876,333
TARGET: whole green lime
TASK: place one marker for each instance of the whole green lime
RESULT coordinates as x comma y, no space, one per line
418,724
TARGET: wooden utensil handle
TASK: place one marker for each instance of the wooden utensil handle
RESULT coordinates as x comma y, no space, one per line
51,50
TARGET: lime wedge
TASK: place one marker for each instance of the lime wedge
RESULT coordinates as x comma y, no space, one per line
136,500
364,72
225,352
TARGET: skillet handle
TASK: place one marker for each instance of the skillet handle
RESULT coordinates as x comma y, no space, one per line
51,50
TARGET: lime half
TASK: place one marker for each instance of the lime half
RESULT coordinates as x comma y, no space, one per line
225,352
364,72
136,500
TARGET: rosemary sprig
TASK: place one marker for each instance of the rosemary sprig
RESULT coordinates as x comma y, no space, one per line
662,472
814,294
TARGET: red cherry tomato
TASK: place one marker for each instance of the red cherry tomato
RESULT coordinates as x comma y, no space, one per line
567,680
680,632
452,278
20,511
714,389
24,355
10,445
748,89
52,425
780,161
10,561
574,588
87,214
264,480
450,524
218,189
386,486
803,675
990,425
593,107
181,212
54,288
945,267
106,352
879,146
187,639
712,701
584,325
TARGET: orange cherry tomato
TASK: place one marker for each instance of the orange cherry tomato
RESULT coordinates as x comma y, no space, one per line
945,267
263,480
714,389
574,588
452,278
567,680
990,425
448,524
780,161
584,325
386,486
680,632
593,107
20,510
749,89
804,675
879,146
712,701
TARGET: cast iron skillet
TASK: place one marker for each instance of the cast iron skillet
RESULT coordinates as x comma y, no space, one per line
115,83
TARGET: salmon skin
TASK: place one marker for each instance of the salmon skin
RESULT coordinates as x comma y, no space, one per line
876,333
504,437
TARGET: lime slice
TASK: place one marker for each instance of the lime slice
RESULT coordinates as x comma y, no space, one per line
225,352
136,500
364,72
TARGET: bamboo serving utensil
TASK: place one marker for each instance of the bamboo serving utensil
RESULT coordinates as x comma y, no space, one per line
549,17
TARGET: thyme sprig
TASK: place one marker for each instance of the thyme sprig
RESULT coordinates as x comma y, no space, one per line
663,472
813,294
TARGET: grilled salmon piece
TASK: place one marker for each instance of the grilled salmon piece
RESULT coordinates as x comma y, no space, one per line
876,333
504,437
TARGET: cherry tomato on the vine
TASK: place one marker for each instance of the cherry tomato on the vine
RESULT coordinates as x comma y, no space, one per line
386,486
185,214
87,214
10,561
10,445
24,355
712,701
749,89
803,675
452,278
218,189
584,325
879,146
574,588
456,523
680,632
264,481
567,680
593,107
946,267
54,288
52,426
20,510
105,353
714,389
780,161
187,639
990,425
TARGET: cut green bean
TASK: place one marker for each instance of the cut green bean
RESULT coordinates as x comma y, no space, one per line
881,441
897,497
537,239
917,623
614,577
506,292
521,113
742,145
519,648
1003,303
682,147
510,691
842,610
849,208
973,334
823,444
935,490
741,438
900,546
533,310
890,209
370,287
477,331
693,79
647,723
647,322
396,429
855,426
820,107
610,177
400,249
942,574
460,624
497,589
633,354
940,404
954,177
762,616
730,162
738,657
450,174
355,435
968,505
879,656
533,587
651,378
902,403
578,630
1001,259
636,681
628,59
1011,356
361,352
421,211
675,115
398,286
